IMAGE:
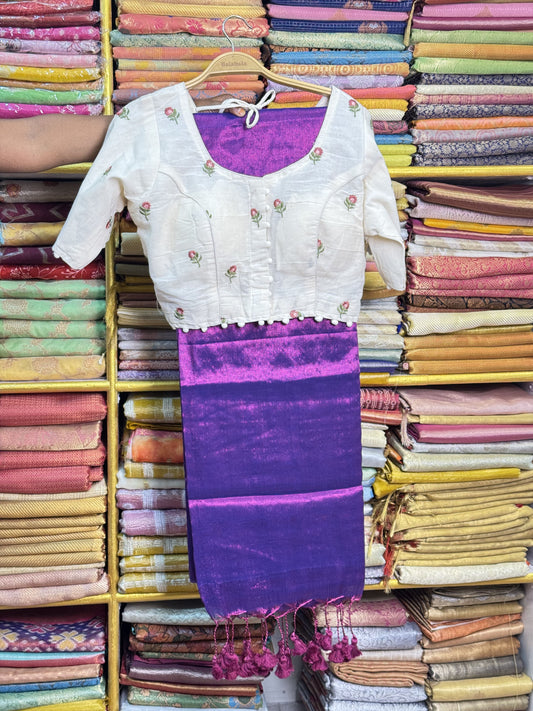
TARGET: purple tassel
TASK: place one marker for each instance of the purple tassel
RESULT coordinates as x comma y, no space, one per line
299,647
284,668
216,669
324,640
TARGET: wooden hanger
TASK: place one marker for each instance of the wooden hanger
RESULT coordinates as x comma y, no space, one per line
240,63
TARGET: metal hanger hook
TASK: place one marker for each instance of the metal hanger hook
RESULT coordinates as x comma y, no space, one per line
238,17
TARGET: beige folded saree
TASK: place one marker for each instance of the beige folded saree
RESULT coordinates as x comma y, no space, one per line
484,688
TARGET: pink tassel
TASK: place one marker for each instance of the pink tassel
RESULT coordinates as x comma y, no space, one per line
338,653
284,668
323,639
299,647
354,649
266,662
319,664
216,669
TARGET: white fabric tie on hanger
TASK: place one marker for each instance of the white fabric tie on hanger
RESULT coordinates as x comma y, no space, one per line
252,115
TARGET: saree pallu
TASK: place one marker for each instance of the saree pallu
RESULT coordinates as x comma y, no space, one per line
506,52
448,230
154,563
70,34
53,368
285,500
444,575
33,212
20,7
423,303
355,81
452,269
300,12
344,40
63,19
156,446
152,24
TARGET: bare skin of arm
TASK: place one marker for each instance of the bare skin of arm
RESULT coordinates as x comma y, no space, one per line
29,145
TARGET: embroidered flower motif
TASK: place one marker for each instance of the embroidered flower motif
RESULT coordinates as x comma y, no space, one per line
256,216
179,313
279,206
124,113
209,214
195,257
231,272
106,172
350,201
319,248
316,154
172,114
343,308
145,210
354,106
209,167
109,223
295,314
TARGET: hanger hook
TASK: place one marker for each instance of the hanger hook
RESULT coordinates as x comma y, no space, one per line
226,34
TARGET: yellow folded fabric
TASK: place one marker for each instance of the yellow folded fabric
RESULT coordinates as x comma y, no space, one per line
67,522
29,234
486,688
53,368
52,559
328,70
488,516
154,408
478,558
64,507
473,51
88,705
522,418
148,563
46,546
397,149
172,9
156,582
496,365
468,353
478,227
470,339
151,545
397,161
49,74
394,475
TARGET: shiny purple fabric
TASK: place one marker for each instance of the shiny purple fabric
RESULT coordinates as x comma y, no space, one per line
272,438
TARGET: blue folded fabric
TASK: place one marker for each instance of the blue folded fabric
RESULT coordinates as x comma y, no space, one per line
365,26
341,57
48,685
400,6
392,139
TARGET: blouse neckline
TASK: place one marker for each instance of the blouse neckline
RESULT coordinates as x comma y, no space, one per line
187,102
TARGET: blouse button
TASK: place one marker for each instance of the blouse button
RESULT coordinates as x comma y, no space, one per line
270,321
349,323
203,329
334,321
318,319
185,329
261,322
224,325
269,260
285,320
240,324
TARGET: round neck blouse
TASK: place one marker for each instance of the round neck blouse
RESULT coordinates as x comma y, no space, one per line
225,247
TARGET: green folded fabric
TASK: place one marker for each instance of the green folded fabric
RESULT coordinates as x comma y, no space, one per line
48,98
53,309
22,347
471,36
60,289
21,328
445,65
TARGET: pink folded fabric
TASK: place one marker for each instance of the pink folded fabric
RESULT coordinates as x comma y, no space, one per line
468,434
50,578
49,60
479,9
51,33
332,14
36,7
128,499
49,480
79,435
508,399
48,47
471,268
21,597
472,99
59,19
172,522
32,458
161,24
51,408
29,110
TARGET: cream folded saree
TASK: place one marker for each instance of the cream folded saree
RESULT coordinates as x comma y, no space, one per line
484,688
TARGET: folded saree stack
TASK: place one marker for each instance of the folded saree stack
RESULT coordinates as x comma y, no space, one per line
471,644
454,496
53,658
469,271
388,674
170,655
52,497
50,58
362,51
51,316
162,43
474,65
151,497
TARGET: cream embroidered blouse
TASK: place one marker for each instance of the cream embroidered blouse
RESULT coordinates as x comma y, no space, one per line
224,247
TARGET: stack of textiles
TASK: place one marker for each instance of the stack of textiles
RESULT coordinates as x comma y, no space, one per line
473,101
53,658
455,492
50,58
170,654
361,51
389,673
469,272
51,316
158,44
151,497
52,497
471,645
380,344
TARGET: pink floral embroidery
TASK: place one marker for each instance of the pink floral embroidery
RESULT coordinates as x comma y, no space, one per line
109,223
195,257
124,113
353,106
145,210
209,167
295,314
319,248
172,114
256,216
231,272
343,308
350,201
316,154
179,313
279,206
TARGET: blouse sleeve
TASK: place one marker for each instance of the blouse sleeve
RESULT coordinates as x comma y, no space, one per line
381,222
101,195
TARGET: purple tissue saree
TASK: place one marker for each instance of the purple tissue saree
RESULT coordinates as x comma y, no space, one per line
271,426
